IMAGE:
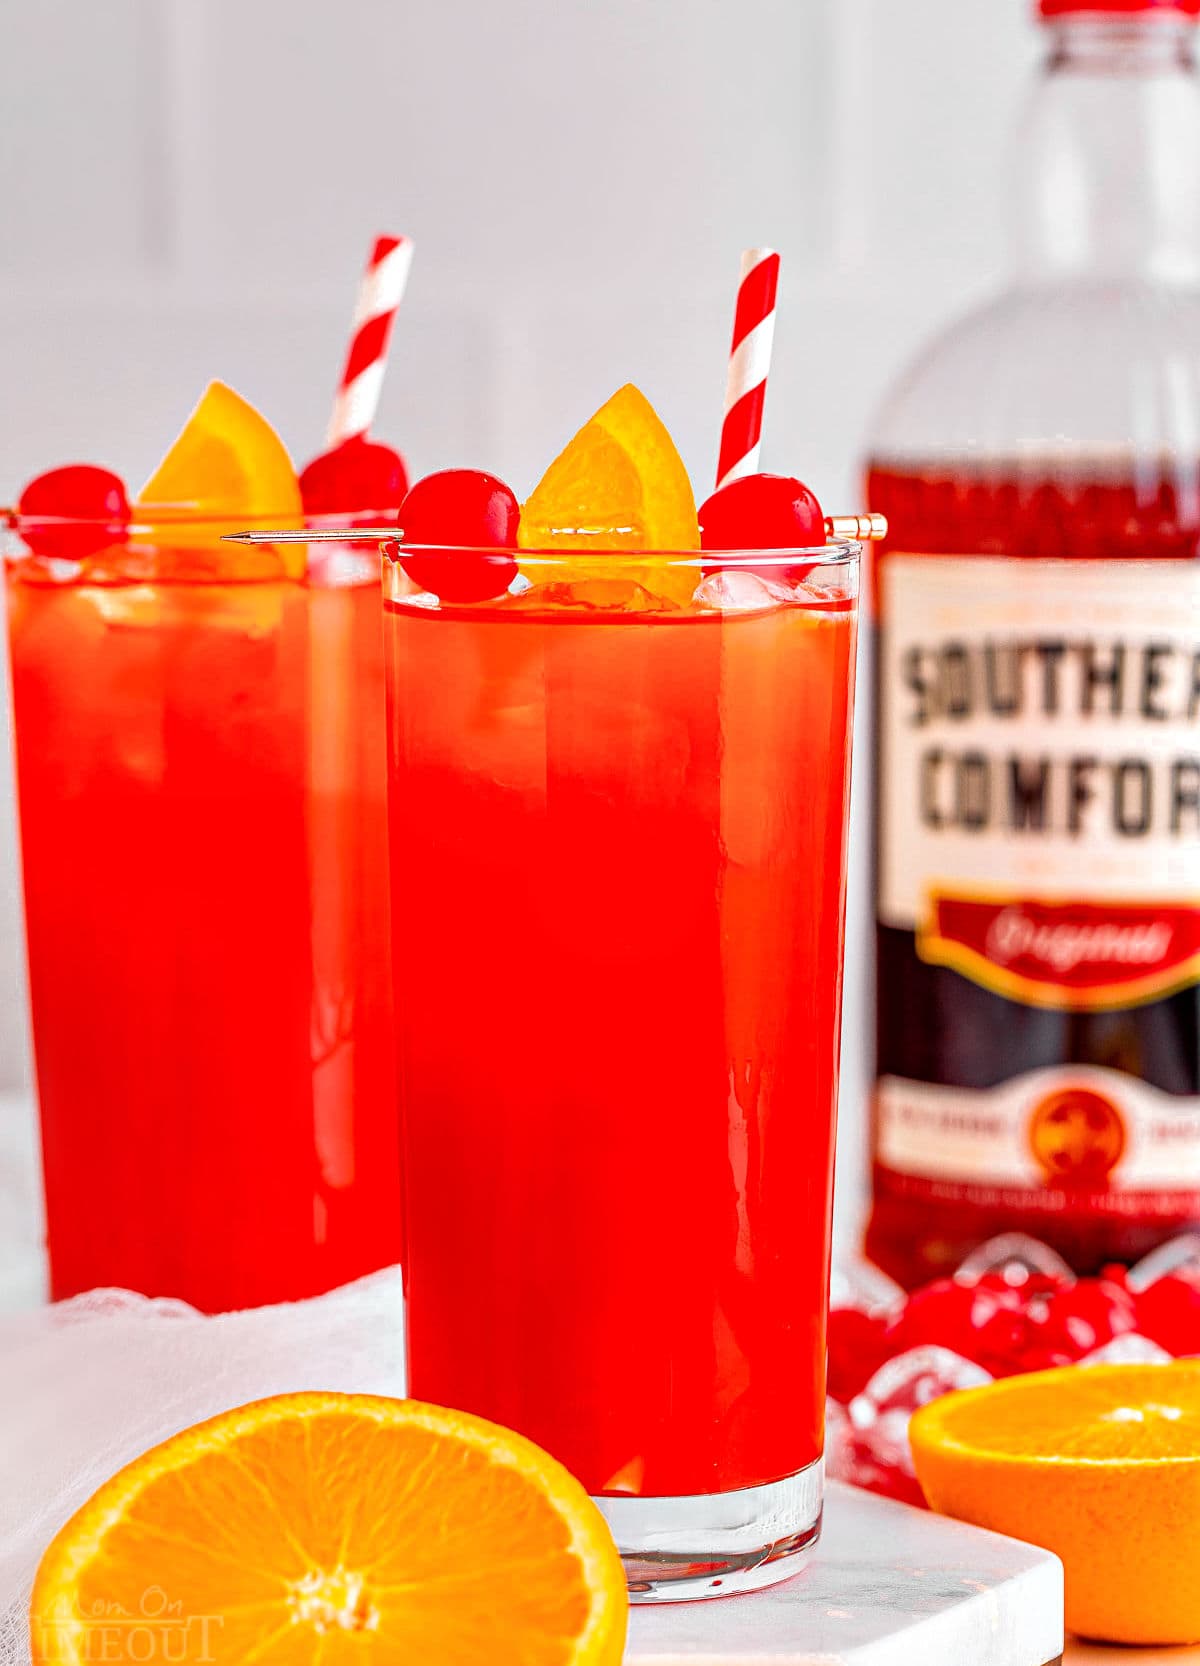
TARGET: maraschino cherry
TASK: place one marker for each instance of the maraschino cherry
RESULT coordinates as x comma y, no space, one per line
955,1315
762,512
1084,1316
858,1346
360,477
1168,1312
457,514
73,512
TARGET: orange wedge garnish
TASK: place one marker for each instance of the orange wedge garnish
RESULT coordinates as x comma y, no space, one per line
619,485
227,465
338,1529
1100,1465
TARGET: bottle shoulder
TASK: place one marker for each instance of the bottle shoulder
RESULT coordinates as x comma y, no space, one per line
1086,365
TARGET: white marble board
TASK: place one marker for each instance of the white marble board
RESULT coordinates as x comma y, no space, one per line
886,1586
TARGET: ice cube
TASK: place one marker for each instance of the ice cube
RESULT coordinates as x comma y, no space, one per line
47,569
913,1379
1129,1349
878,1459
1021,1253
887,1441
1177,1255
865,1287
594,595
904,1489
736,591
873,1450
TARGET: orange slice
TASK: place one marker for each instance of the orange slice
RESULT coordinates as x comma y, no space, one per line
228,464
335,1530
1100,1465
619,485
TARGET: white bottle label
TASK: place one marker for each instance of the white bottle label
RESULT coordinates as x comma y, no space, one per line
1039,805
1070,1138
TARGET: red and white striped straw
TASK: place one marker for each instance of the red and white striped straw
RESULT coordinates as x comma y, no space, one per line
749,363
379,298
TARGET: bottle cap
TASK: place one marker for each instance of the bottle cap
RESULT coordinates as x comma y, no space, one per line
1117,8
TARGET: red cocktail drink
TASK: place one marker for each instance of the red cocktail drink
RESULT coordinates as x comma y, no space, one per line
618,870
200,765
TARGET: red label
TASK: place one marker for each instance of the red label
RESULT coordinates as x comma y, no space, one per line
1072,955
1152,1204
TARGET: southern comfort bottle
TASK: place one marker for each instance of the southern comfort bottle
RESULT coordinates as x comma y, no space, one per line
1038,694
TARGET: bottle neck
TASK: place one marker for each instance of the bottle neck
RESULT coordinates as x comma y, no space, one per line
1109,178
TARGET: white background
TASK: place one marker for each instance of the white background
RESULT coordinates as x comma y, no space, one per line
187,189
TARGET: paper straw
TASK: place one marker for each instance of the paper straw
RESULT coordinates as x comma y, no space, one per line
379,299
749,363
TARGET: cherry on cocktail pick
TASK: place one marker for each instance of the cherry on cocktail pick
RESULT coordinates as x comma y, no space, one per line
762,512
72,512
358,476
460,512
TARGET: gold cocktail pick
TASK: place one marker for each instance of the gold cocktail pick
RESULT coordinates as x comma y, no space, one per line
837,527
870,528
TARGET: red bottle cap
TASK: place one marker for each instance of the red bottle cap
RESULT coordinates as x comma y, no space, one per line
1117,8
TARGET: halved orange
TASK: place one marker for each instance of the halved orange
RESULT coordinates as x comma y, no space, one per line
328,1529
1100,1465
227,465
619,485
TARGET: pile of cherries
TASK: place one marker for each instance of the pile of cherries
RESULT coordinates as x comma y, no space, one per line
1013,1306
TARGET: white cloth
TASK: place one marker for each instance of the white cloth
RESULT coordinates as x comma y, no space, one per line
87,1385
22,1247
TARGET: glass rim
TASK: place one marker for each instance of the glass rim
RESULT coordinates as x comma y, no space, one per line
147,516
842,552
176,528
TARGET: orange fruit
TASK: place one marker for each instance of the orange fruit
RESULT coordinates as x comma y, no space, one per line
620,484
227,465
329,1529
1100,1465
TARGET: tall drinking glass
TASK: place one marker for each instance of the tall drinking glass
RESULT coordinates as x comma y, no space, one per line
618,871
201,774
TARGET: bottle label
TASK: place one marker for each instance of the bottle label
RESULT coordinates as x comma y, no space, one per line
1062,1140
1039,816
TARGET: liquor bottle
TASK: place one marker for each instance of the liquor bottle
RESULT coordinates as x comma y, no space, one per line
1038,694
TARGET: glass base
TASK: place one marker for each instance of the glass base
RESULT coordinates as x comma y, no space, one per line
716,1544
